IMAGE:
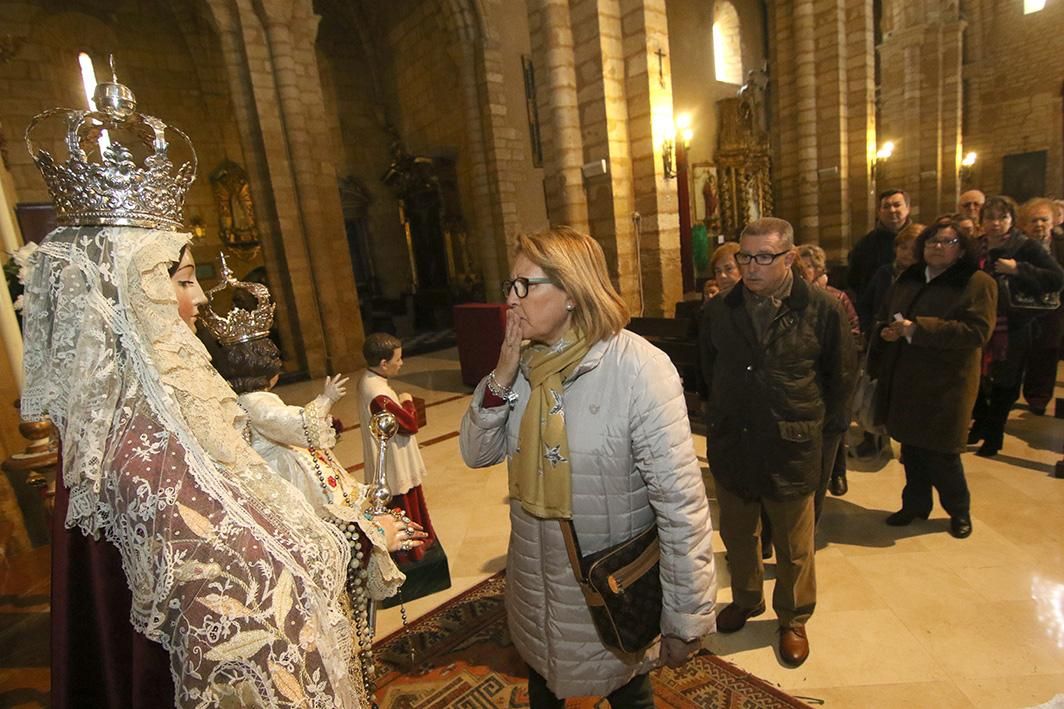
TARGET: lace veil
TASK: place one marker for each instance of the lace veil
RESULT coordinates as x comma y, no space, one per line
229,567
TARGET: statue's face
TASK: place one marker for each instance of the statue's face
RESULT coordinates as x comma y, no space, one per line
190,297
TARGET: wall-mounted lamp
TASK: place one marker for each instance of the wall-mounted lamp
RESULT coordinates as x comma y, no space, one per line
967,165
199,230
668,145
882,155
668,151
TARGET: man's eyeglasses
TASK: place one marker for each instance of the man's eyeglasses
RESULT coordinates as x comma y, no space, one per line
742,258
937,244
520,285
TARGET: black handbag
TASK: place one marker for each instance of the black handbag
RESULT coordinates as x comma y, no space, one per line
1027,302
622,587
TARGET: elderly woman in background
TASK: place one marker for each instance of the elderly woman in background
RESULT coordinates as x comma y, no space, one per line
941,312
725,271
874,444
592,423
1037,219
876,293
1020,266
813,264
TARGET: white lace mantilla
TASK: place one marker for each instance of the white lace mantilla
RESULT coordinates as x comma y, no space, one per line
230,569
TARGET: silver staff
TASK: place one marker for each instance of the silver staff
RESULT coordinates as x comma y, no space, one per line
382,426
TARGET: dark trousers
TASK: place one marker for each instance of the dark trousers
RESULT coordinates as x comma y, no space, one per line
794,595
1041,377
833,452
637,694
1001,389
926,469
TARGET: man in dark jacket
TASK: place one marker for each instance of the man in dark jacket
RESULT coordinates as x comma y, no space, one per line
877,246
780,365
872,251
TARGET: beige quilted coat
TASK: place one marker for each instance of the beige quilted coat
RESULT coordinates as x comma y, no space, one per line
633,465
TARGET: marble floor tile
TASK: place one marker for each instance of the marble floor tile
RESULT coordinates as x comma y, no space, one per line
1012,692
943,694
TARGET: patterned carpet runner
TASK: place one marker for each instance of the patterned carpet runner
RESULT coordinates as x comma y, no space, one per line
460,656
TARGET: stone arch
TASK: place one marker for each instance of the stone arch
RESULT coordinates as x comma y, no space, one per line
727,43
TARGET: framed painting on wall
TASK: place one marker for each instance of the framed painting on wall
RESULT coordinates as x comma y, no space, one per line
705,195
1023,175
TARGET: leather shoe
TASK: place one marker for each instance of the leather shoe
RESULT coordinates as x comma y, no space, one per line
960,526
794,645
903,518
974,436
838,485
734,617
987,451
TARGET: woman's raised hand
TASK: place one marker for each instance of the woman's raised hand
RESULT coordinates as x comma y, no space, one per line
510,354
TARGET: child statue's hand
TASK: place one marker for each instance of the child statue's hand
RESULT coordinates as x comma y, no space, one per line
335,387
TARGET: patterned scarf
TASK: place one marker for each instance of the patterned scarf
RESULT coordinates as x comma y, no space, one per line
539,471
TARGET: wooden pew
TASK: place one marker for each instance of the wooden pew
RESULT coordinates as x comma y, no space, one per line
678,338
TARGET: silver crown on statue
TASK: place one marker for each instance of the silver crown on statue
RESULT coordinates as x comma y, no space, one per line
113,189
238,325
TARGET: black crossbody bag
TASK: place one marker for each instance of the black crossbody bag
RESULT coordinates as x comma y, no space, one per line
622,587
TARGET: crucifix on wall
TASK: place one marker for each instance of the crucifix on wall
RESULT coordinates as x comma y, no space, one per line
661,67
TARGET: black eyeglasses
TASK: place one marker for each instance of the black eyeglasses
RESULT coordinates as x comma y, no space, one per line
742,258
936,244
520,285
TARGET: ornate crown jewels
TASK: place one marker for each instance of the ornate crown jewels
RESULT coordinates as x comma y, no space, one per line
239,325
115,190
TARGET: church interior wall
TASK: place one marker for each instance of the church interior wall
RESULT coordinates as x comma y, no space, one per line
1014,72
413,73
425,89
356,109
185,88
510,24
695,88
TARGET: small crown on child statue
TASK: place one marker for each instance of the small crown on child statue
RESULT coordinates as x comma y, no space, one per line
238,325
106,186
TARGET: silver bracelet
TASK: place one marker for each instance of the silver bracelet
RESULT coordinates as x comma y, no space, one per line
500,391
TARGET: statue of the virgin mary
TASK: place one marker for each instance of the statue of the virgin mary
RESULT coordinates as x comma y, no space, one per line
229,570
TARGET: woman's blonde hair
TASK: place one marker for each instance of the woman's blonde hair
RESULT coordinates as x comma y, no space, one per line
576,264
725,250
814,256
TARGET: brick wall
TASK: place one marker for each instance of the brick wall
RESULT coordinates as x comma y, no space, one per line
1014,70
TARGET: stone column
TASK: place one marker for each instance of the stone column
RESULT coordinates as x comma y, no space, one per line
291,43
860,98
600,67
648,92
921,96
806,230
555,66
251,86
277,97
823,84
9,330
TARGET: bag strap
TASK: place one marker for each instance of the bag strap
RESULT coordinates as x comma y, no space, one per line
572,546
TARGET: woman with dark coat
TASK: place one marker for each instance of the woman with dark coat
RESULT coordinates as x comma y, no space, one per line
1023,266
927,361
